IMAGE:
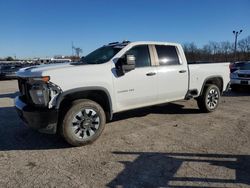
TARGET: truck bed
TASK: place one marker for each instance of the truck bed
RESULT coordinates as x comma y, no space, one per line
201,71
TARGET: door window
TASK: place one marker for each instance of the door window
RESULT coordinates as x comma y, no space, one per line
141,54
167,55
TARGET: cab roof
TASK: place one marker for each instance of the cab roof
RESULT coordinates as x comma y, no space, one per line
125,43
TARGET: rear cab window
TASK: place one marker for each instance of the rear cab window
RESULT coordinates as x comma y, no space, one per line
167,55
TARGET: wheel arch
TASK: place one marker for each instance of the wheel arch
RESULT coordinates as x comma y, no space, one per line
216,80
97,94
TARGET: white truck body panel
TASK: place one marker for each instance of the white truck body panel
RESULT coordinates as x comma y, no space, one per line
171,84
70,77
200,72
134,89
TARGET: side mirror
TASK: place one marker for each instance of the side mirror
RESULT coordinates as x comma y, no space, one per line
130,59
129,63
125,64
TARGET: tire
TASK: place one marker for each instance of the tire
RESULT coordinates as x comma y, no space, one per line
210,98
83,122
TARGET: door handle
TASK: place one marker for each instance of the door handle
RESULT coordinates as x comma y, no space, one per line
151,74
182,71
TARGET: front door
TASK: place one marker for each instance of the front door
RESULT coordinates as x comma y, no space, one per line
137,88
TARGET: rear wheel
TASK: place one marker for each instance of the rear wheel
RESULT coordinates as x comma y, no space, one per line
83,123
210,98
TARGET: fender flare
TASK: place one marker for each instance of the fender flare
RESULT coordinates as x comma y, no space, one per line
63,95
208,78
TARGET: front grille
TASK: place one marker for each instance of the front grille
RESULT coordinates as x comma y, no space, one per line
246,76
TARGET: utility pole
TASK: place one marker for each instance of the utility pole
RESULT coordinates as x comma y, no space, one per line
72,48
236,34
77,50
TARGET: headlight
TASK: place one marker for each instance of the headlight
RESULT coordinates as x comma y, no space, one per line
39,94
43,92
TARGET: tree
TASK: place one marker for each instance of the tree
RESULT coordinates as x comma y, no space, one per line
191,51
242,44
226,49
9,58
218,51
248,43
207,52
214,47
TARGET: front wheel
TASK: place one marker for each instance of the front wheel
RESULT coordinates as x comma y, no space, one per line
83,123
210,98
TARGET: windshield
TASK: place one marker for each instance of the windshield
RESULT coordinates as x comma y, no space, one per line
101,55
243,66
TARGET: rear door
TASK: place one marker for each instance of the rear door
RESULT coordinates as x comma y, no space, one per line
137,88
172,74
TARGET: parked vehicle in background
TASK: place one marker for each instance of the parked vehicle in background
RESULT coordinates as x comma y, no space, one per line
240,75
77,98
54,60
237,65
51,60
9,71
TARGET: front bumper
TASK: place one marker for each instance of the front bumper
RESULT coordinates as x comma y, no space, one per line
240,82
41,119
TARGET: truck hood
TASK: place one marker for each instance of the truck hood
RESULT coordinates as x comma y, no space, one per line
68,75
35,71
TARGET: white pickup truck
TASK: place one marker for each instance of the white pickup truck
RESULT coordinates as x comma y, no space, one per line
76,99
